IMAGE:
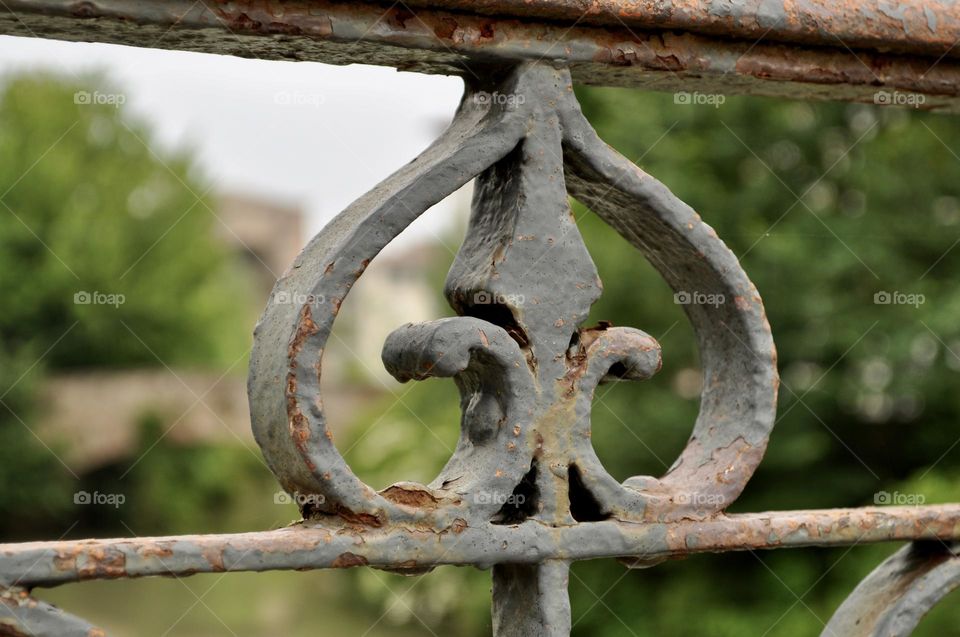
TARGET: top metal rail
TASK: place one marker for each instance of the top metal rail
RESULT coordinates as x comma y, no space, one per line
809,50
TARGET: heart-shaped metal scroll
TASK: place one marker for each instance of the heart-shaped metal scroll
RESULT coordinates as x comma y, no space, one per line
523,284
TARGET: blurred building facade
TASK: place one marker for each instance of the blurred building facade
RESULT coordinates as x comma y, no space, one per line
96,416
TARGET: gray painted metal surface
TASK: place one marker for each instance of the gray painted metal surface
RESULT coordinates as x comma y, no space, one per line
896,596
24,616
524,493
848,50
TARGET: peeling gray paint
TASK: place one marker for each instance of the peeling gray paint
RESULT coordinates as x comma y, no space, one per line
894,598
800,50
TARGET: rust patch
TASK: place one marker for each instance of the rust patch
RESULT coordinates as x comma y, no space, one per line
305,329
446,28
215,559
410,497
668,63
363,267
359,519
400,17
156,550
299,429
349,560
103,564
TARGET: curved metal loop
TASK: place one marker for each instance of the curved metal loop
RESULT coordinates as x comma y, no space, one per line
738,403
287,413
894,598
24,616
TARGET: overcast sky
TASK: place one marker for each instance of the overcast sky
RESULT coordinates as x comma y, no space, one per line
308,134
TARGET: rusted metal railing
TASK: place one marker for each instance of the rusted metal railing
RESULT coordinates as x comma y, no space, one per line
524,493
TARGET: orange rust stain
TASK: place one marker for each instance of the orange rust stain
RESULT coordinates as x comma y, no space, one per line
400,18
305,329
215,559
156,550
410,497
362,519
446,28
349,560
103,564
299,428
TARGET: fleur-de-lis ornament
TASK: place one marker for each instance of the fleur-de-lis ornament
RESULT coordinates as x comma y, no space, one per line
525,364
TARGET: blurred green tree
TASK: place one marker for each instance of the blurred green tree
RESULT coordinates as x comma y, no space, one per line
107,258
833,209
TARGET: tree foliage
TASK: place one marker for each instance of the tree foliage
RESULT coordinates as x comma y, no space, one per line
107,259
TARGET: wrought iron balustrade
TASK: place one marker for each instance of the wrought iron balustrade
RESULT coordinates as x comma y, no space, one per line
524,494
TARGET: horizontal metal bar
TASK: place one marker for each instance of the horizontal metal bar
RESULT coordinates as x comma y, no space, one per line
929,27
314,545
437,41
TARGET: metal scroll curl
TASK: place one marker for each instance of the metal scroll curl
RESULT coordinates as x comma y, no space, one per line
894,598
22,615
522,285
